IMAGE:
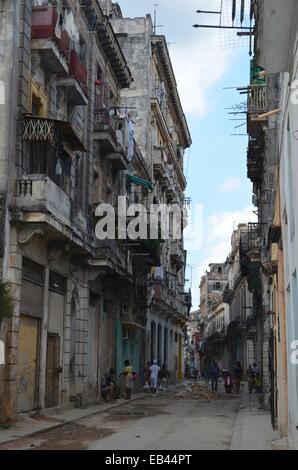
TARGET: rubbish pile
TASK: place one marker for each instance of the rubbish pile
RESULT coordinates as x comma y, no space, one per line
198,392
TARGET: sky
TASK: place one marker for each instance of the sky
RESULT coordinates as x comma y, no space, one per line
215,165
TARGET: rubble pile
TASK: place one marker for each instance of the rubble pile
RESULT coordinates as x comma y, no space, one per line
198,392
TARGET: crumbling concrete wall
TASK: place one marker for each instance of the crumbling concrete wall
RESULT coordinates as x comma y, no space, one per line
9,28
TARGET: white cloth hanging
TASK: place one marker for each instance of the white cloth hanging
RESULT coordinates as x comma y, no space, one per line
131,133
71,28
58,169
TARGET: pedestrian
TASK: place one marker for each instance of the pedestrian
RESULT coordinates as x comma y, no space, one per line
111,385
207,375
215,371
257,383
250,378
128,379
146,385
238,376
164,375
154,371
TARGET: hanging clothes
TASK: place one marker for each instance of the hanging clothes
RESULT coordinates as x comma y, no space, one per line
59,23
131,133
71,28
58,169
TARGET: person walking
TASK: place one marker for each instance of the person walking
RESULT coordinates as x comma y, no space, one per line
154,371
164,375
250,379
128,379
215,371
238,376
111,385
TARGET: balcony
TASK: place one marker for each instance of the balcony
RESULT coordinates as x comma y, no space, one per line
250,255
159,164
257,105
111,258
177,253
111,132
75,92
37,129
42,206
77,70
255,160
53,51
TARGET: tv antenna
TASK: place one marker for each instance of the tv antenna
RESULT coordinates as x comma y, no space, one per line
155,25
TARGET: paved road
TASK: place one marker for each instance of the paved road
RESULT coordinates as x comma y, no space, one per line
177,424
164,422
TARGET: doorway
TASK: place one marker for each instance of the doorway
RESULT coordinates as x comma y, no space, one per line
52,370
27,363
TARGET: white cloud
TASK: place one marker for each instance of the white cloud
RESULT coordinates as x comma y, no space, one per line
231,184
220,225
198,66
217,242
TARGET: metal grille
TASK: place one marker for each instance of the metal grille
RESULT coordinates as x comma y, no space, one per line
38,130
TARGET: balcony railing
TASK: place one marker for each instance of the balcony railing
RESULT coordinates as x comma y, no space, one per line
112,132
257,99
40,194
38,129
77,69
256,107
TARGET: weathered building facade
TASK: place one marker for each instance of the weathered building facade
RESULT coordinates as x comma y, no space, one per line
242,327
212,286
69,143
272,126
162,135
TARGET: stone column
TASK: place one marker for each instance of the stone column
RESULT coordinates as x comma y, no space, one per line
43,343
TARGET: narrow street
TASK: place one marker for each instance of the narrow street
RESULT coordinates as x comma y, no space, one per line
176,419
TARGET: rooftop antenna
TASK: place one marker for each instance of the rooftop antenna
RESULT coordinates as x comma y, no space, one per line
155,25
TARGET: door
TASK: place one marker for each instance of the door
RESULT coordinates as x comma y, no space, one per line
27,363
53,370
93,350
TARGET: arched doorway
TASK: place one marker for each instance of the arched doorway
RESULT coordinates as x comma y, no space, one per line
165,347
159,345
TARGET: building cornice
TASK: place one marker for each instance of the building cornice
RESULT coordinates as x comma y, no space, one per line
159,46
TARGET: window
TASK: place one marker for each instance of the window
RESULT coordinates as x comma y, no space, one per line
57,283
45,159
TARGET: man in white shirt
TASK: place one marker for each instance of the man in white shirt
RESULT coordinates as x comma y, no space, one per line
154,371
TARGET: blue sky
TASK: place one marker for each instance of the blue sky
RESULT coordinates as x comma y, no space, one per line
216,170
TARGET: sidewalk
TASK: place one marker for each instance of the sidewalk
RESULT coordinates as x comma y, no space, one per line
253,429
50,420
30,426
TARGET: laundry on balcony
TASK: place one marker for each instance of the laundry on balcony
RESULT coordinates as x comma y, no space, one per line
40,129
139,181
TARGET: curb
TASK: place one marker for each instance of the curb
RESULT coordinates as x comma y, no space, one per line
238,427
